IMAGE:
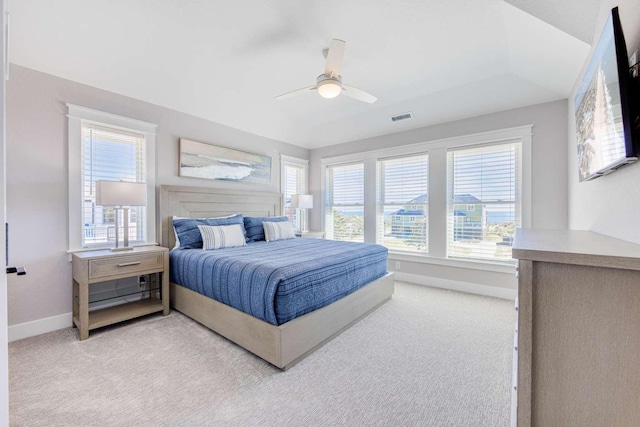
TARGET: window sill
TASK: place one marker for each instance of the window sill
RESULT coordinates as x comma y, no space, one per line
457,263
101,248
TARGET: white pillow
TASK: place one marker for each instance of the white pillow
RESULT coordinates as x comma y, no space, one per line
277,231
221,236
175,233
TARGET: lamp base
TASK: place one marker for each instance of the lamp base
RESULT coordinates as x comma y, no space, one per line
303,221
126,248
125,217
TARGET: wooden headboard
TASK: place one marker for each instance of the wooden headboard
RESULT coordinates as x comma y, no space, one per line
199,202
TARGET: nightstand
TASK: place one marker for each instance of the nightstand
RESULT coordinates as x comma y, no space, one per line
311,234
103,265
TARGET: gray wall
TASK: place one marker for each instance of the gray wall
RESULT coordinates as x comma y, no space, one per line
610,204
37,176
549,165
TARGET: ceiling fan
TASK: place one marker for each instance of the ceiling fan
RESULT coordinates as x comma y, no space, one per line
329,84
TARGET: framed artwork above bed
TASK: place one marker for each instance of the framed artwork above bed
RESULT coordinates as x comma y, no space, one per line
206,161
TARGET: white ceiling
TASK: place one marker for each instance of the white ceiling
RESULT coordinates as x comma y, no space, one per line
225,61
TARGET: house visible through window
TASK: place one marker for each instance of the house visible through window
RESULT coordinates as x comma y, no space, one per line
344,213
403,203
484,200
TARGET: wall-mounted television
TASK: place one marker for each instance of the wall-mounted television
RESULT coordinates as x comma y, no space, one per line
606,114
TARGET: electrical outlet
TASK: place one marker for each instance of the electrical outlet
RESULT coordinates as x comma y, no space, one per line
398,265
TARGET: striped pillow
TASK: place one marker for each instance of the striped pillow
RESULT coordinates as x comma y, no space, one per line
277,231
221,236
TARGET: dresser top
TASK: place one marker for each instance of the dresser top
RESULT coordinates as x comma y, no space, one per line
575,247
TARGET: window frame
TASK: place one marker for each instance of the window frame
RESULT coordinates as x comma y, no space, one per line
78,115
294,162
329,203
380,177
437,151
518,145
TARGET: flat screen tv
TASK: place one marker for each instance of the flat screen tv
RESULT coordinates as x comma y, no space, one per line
605,114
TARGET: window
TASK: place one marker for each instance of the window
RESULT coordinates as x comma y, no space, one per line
403,209
489,178
471,227
105,147
110,154
294,181
344,213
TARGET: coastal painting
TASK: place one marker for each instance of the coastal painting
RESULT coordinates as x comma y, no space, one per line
198,160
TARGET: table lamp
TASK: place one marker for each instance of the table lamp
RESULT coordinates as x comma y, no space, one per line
121,195
302,202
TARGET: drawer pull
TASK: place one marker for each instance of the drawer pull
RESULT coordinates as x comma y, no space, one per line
126,264
515,348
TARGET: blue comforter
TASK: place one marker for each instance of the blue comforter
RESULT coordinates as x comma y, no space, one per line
279,281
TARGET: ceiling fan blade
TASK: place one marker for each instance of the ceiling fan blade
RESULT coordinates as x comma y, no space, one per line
295,93
335,56
358,94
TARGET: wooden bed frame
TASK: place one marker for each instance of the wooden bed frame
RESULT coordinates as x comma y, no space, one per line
284,345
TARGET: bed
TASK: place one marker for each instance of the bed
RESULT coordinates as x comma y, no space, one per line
285,335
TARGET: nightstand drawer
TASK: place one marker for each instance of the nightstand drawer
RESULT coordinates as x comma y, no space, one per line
115,266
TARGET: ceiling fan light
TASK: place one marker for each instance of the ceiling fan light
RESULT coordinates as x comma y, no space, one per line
329,89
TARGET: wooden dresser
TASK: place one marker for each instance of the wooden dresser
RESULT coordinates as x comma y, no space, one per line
578,331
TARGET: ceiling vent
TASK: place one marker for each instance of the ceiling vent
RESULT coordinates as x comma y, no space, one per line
403,116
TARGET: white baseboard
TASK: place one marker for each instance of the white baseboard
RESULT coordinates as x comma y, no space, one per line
472,288
41,326
50,324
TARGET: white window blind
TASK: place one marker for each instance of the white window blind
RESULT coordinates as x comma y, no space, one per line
484,203
403,203
110,154
344,213
293,182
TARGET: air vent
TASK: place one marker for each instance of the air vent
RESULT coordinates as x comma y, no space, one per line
403,116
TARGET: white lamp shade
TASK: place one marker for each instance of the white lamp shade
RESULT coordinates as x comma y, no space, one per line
329,89
116,193
302,201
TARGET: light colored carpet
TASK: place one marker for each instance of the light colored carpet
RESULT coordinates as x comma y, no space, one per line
428,357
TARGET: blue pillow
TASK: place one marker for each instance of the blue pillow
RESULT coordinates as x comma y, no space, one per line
188,233
255,230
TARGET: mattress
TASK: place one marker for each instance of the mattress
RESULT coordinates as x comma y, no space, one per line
279,281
